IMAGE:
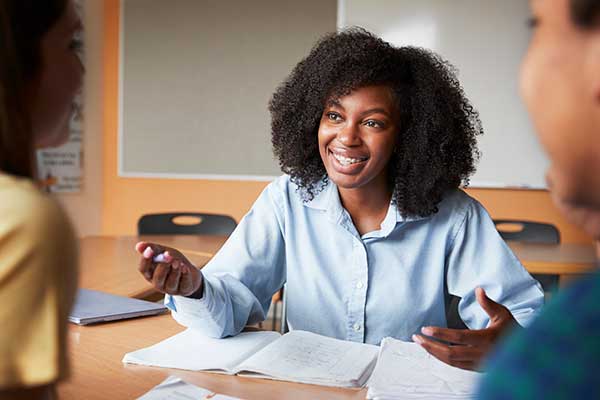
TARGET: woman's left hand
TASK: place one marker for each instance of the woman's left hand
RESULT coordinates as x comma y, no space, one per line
468,347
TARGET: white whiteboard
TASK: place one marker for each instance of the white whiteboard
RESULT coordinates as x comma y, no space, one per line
485,40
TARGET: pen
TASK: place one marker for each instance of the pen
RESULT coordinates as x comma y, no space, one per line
160,258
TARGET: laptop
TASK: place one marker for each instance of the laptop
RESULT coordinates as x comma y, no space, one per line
92,306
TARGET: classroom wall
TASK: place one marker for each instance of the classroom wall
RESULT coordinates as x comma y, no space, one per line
85,207
125,199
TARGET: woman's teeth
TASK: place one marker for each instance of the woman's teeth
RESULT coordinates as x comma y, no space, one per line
347,161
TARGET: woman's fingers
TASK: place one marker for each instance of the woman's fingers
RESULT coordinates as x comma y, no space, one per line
473,337
461,356
146,267
172,282
141,247
152,255
167,269
160,276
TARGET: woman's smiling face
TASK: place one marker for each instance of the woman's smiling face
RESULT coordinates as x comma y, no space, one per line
357,135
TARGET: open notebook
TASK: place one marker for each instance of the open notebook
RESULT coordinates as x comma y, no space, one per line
297,356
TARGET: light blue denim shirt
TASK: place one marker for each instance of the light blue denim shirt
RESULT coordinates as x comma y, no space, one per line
389,282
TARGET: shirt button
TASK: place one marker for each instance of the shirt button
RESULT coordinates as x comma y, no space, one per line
359,285
356,327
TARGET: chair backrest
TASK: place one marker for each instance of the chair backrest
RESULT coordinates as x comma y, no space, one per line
165,224
527,231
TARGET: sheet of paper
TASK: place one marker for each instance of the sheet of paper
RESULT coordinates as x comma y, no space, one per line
193,351
406,370
308,357
174,388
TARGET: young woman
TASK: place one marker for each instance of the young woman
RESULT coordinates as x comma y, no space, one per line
40,73
368,228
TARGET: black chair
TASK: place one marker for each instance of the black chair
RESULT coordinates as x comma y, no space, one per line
166,224
532,232
521,231
527,231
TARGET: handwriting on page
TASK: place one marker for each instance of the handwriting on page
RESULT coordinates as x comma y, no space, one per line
305,353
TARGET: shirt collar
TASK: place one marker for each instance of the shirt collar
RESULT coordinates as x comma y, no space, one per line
328,200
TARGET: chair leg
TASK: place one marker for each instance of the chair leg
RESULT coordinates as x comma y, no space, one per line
283,327
274,319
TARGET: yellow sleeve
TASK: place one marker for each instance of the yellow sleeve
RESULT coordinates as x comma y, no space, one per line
38,267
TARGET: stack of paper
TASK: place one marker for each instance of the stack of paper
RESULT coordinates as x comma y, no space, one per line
406,371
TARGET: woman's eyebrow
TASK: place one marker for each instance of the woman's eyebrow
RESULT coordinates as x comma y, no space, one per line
74,27
334,103
376,110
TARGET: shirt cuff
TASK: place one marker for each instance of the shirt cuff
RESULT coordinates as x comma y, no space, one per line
190,307
526,317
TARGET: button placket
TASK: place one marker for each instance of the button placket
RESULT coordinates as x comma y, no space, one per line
356,316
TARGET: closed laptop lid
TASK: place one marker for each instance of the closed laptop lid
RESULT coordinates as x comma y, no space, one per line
93,306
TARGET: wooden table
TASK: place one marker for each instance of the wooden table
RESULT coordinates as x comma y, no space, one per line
560,259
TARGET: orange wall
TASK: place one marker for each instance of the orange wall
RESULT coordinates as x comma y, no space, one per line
125,199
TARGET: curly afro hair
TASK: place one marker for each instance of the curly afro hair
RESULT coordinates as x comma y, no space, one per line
437,146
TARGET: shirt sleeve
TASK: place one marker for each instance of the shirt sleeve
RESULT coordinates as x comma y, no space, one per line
240,280
37,288
479,257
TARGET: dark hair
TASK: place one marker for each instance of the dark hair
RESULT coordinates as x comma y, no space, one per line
585,13
437,149
23,23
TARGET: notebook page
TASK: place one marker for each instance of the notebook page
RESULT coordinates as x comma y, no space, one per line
311,358
193,351
406,370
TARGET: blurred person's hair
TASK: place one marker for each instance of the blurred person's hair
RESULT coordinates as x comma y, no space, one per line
23,23
585,13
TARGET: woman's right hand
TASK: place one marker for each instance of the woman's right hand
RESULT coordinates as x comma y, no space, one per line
174,274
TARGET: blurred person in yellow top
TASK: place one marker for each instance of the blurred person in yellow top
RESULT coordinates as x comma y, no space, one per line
40,73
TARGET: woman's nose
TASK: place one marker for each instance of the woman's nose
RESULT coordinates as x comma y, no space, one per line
348,134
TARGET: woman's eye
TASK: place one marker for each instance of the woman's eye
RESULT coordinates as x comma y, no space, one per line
76,45
532,22
333,116
373,124
76,42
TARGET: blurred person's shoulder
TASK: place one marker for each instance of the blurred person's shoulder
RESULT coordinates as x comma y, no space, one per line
31,220
564,337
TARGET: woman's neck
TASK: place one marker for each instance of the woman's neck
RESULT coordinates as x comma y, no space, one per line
367,206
